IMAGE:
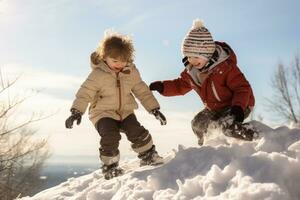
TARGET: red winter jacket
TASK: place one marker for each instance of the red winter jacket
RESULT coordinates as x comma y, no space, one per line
224,86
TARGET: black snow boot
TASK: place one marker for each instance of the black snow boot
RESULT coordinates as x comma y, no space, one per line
111,171
150,157
244,131
241,131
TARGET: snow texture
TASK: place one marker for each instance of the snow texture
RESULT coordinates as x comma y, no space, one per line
223,168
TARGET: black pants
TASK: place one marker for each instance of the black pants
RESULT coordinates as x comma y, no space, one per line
109,130
203,119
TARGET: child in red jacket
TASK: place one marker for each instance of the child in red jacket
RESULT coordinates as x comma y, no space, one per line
211,70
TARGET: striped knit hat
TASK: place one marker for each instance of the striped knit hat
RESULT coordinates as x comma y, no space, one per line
198,41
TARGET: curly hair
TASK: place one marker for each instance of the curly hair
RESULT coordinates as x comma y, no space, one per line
115,45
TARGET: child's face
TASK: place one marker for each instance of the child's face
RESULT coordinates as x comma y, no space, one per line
115,64
198,62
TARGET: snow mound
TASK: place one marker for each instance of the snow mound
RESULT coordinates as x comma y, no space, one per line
224,168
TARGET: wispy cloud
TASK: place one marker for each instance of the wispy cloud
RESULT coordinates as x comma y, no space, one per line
20,13
33,78
135,23
7,10
115,8
153,13
5,6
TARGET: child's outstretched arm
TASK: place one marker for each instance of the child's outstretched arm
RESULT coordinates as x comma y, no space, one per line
142,92
87,91
179,86
84,96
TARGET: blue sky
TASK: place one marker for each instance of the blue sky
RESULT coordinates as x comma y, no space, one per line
55,38
60,35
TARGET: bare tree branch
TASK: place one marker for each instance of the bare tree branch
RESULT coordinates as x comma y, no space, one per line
286,99
32,120
21,156
8,83
296,79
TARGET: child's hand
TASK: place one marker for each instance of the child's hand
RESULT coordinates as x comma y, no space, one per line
76,115
238,113
158,86
158,115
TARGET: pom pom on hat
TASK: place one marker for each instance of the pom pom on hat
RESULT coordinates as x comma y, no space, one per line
197,23
198,41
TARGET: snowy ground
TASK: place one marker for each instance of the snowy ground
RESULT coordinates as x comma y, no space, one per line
223,168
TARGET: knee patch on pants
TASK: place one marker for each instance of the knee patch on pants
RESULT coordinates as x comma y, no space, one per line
200,122
144,145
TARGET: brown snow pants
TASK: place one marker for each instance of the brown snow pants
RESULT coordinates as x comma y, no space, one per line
109,130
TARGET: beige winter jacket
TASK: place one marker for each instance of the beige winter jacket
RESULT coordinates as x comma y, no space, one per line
110,94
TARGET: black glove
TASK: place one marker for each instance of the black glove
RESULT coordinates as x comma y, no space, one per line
238,113
158,86
158,115
75,115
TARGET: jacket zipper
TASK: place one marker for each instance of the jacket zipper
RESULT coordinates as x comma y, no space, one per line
120,98
215,91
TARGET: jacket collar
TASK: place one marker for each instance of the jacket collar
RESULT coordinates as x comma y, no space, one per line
223,52
220,56
231,55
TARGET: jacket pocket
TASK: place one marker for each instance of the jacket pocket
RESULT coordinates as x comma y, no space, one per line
214,90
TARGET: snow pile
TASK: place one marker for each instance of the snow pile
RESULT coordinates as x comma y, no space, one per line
224,168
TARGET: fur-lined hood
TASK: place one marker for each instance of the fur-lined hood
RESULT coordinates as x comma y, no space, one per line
96,62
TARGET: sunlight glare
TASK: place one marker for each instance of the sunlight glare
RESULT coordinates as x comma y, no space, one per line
7,10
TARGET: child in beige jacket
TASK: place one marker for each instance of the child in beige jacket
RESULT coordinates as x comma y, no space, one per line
108,91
